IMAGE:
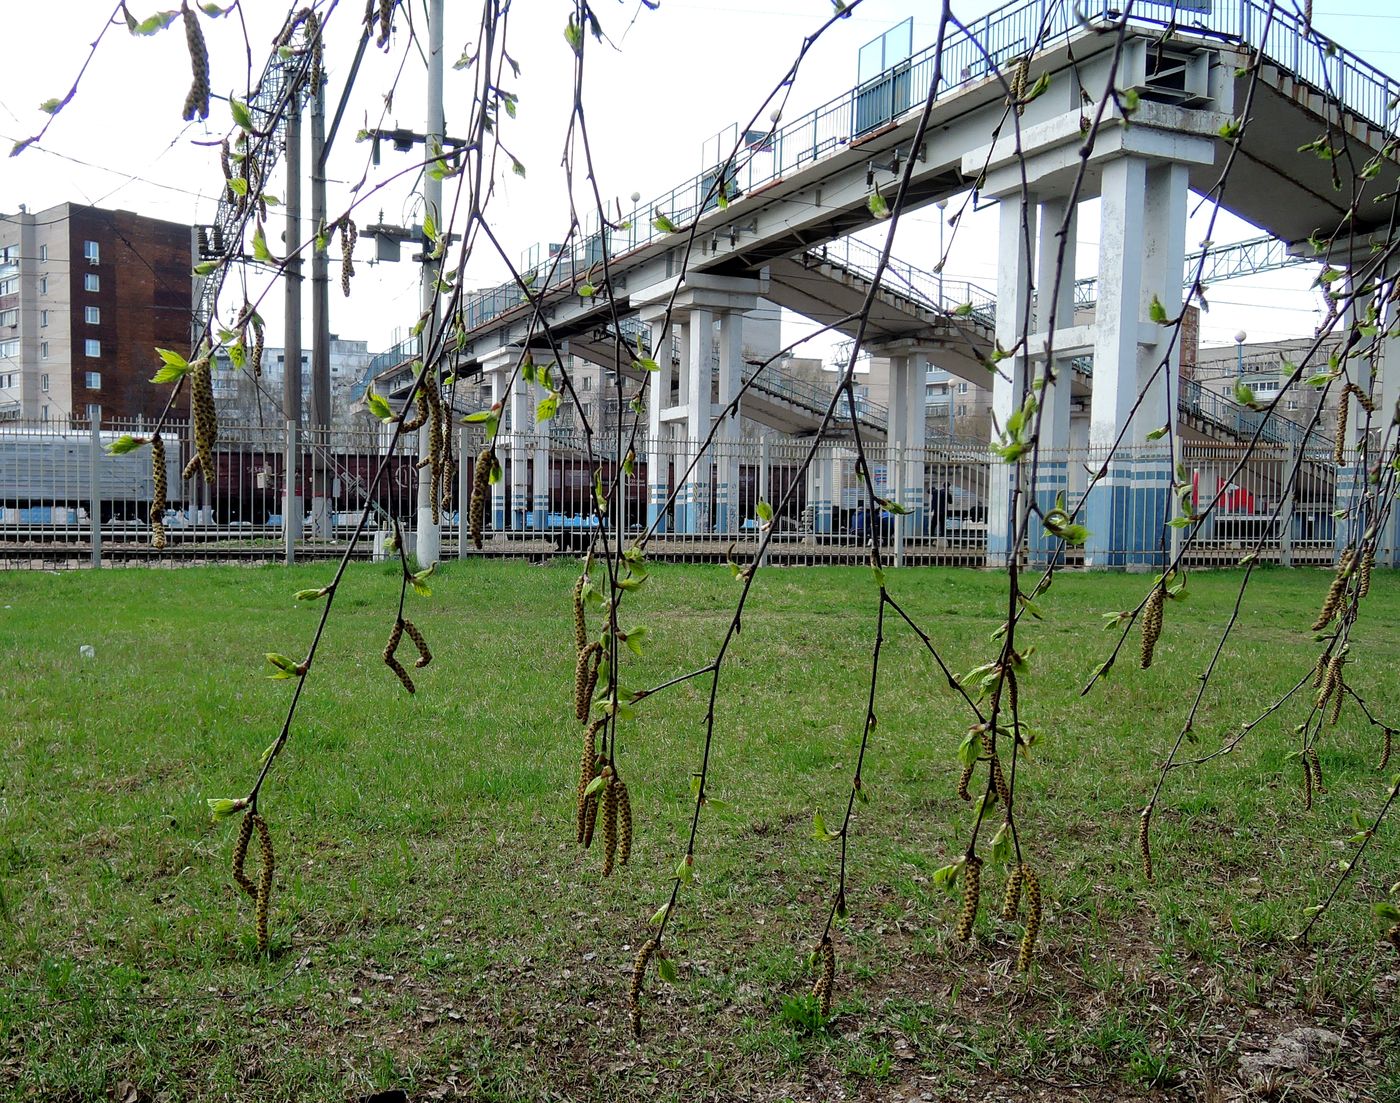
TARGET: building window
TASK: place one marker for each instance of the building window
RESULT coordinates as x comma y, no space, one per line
9,318
962,388
92,348
91,282
92,380
44,413
43,252
9,349
9,285
43,317
92,315
43,285
91,252
44,351
44,382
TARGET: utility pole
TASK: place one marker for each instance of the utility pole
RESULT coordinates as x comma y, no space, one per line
429,539
291,363
320,324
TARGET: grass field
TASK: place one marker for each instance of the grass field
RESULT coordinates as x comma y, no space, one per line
436,929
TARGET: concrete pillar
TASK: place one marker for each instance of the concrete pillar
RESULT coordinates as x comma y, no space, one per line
821,489
658,452
1387,394
522,431
539,496
1142,233
905,433
1016,236
697,375
1054,288
728,516
498,490
1351,475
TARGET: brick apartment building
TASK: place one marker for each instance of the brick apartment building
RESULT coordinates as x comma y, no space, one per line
86,296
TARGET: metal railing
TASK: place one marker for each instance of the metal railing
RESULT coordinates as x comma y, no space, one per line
928,290
999,37
1242,422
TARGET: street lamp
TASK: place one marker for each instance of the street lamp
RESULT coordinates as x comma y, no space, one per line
1240,337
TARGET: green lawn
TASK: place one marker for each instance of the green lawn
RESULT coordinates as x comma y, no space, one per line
436,929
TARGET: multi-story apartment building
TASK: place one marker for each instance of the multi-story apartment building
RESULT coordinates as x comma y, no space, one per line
86,296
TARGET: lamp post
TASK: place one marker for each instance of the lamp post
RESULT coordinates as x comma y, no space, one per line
942,206
1240,337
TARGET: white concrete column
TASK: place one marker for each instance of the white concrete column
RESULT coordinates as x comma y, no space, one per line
731,359
539,478
697,374
1016,235
1122,239
498,490
1141,253
1054,289
1387,394
658,453
522,431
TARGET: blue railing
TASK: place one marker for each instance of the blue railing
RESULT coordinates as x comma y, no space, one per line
774,382
1241,421
929,290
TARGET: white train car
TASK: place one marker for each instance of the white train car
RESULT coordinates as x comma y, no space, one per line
46,477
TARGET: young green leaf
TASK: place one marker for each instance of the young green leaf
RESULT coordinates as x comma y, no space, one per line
378,406
664,224
260,249
241,118
125,443
877,204
221,808
666,970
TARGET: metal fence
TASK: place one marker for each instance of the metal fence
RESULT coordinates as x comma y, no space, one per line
66,501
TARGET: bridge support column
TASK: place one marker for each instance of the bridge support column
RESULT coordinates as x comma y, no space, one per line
697,365
658,432
1054,375
1142,174
539,482
1388,403
498,377
522,425
1141,254
1351,475
728,516
694,304
905,433
822,489
1016,235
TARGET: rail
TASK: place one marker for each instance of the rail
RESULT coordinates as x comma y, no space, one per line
1241,421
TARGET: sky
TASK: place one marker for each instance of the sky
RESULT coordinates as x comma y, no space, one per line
678,76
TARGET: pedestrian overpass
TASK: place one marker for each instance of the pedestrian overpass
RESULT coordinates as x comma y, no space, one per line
687,265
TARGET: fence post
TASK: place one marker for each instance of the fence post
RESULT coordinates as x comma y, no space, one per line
291,503
95,490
